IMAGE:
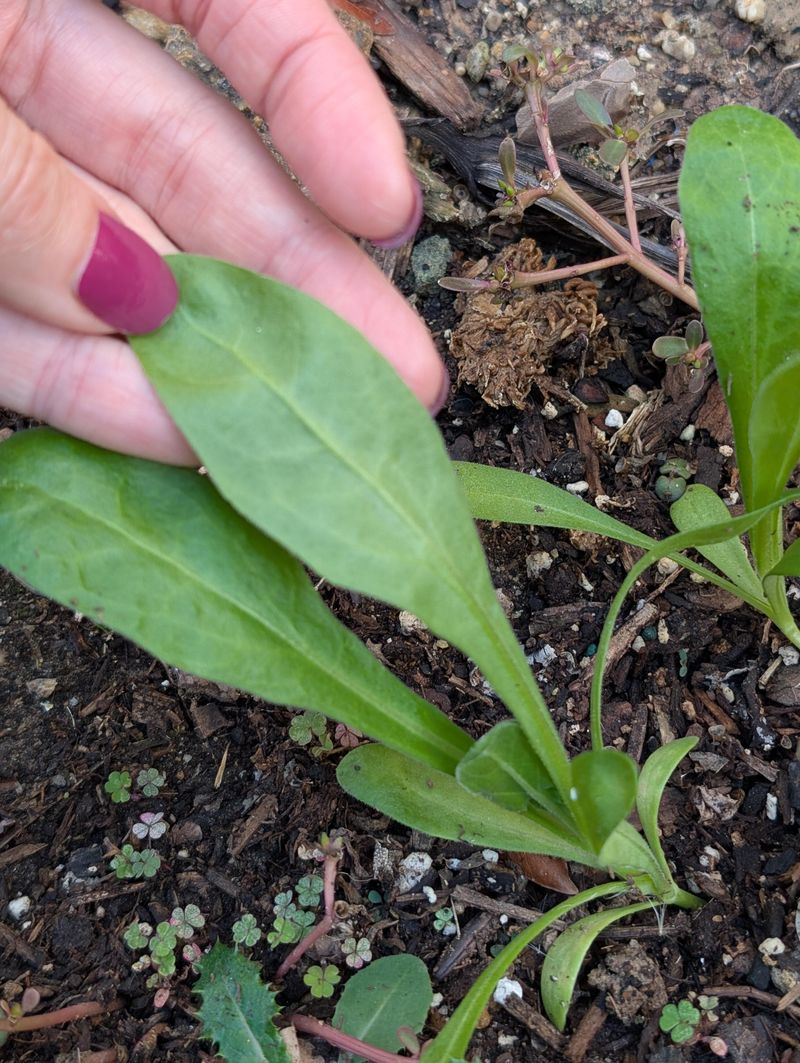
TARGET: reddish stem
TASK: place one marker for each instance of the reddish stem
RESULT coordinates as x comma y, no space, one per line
535,97
55,1018
315,1028
630,209
323,926
529,280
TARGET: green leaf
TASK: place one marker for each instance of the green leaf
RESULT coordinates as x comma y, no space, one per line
612,152
565,956
774,435
436,804
512,52
517,498
789,564
99,531
393,991
238,1010
502,767
602,794
700,507
310,434
741,210
653,778
592,107
670,347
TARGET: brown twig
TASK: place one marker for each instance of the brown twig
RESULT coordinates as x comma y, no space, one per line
746,992
315,1028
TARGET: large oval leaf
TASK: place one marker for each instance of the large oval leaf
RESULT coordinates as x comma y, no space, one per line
155,553
602,794
740,202
310,434
434,802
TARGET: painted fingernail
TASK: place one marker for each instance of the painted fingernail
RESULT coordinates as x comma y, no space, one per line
126,283
441,398
410,228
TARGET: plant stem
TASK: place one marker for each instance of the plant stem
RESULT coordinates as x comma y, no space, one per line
520,279
630,208
323,926
56,1018
315,1028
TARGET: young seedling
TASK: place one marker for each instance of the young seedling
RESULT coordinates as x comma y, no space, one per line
128,863
307,727
444,921
322,981
245,931
150,781
532,72
690,350
357,952
118,785
186,921
151,826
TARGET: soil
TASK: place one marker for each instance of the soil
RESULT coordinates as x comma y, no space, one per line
245,802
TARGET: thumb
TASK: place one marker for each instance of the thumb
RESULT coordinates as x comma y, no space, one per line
65,258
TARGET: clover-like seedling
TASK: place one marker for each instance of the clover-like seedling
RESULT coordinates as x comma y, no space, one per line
444,919
322,981
309,890
680,1021
162,949
307,727
357,952
187,920
150,825
290,928
137,936
118,785
150,781
245,931
128,863
671,483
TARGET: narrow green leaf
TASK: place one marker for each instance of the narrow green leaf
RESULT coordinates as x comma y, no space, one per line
774,434
740,202
565,957
517,498
512,52
654,776
789,564
438,805
156,554
391,992
700,507
603,792
311,435
593,108
238,1010
502,767
455,1037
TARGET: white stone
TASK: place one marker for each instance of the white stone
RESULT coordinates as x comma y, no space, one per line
549,411
579,487
679,46
430,894
688,434
614,419
789,655
410,623
19,907
507,987
771,947
771,807
412,871
538,562
666,566
751,10
643,53
491,856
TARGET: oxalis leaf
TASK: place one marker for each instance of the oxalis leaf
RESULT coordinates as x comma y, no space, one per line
155,553
238,1009
391,992
740,202
310,434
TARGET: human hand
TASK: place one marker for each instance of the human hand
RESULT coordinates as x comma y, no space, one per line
128,143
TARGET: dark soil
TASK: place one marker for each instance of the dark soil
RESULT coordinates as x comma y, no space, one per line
245,802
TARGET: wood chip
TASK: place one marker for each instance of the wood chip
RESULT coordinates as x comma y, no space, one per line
244,835
20,852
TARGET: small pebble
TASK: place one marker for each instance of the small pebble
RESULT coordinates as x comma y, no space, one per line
430,894
538,562
412,870
751,10
507,987
460,69
678,46
688,434
19,907
666,566
771,947
643,53
771,807
638,644
726,451
789,655
491,856
494,20
477,61
549,411
579,487
614,419
410,623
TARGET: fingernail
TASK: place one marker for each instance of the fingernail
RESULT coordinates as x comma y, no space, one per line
441,398
411,226
126,283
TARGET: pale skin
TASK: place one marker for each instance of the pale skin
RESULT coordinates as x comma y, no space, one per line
94,117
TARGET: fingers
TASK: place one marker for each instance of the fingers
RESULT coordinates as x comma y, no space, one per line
64,257
132,116
324,105
89,386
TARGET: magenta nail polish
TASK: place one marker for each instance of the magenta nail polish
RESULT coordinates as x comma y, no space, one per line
126,283
411,227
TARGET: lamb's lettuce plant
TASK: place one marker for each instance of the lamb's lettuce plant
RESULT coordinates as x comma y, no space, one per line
316,453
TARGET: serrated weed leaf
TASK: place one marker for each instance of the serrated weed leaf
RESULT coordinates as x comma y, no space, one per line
97,531
311,434
740,202
392,992
602,794
238,1010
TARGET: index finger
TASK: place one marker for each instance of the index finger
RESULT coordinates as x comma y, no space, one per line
325,107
